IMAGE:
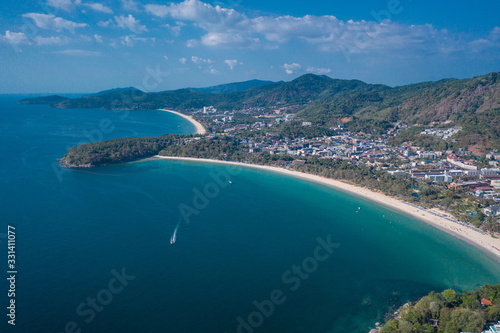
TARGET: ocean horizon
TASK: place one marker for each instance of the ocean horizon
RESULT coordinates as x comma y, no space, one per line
264,253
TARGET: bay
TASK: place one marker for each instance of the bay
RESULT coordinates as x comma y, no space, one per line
77,230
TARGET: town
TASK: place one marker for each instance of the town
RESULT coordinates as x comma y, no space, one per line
262,130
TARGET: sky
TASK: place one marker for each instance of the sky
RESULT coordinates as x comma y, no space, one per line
82,46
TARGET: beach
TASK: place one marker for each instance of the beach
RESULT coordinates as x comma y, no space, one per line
434,217
199,127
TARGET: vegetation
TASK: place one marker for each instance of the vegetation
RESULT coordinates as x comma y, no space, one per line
234,87
117,150
107,100
53,99
473,104
412,134
448,312
294,130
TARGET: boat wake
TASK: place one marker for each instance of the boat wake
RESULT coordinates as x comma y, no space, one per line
173,238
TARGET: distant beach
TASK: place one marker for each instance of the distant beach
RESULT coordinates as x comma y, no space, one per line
434,217
199,127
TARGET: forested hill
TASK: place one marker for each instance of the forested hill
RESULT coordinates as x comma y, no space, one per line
325,99
473,103
233,87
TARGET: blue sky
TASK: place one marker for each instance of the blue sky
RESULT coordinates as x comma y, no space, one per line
73,46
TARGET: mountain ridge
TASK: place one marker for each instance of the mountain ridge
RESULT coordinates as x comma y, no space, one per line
473,103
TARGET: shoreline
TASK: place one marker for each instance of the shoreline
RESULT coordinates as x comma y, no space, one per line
434,217
199,127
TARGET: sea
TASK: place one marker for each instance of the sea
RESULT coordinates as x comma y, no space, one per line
254,251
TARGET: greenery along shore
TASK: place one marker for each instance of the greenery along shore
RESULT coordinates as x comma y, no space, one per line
225,148
448,312
473,104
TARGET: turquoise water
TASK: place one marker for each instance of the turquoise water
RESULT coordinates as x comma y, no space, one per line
239,248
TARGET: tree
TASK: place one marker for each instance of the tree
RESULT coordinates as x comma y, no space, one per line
392,326
465,320
450,295
492,313
470,300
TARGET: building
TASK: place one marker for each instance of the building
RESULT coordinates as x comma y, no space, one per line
486,302
490,172
461,164
493,210
493,329
439,178
472,185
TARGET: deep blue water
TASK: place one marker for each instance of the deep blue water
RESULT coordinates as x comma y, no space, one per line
247,243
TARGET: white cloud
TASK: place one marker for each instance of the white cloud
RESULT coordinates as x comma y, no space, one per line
130,5
54,40
82,53
105,24
130,22
229,39
192,43
51,22
291,68
132,40
206,15
319,71
66,5
85,38
157,10
99,7
182,60
175,30
495,33
212,70
232,63
198,60
230,28
98,38
15,38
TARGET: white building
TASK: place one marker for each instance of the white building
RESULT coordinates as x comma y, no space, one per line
439,178
493,210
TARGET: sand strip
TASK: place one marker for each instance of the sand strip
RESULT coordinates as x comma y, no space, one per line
434,217
199,127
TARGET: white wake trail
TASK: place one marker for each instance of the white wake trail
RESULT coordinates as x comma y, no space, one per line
173,238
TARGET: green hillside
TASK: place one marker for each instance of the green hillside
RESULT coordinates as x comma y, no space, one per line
473,104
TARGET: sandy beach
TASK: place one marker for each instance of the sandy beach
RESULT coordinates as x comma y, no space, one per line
199,127
434,217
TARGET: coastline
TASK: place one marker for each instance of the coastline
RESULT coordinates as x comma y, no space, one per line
437,218
199,127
